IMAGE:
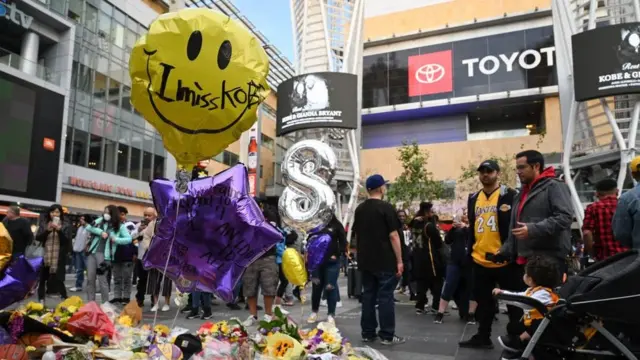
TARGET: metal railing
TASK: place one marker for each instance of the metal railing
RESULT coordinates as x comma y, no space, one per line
17,62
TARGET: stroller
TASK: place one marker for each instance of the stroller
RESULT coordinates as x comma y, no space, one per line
597,316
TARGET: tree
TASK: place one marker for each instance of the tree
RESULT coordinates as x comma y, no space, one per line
415,183
468,180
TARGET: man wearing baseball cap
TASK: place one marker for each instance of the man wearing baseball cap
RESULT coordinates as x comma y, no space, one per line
489,217
626,220
380,261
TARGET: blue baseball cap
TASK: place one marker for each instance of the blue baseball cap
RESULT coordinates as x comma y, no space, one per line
375,181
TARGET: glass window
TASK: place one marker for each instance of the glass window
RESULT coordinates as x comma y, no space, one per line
91,17
158,147
147,157
100,91
110,155
158,165
132,24
95,151
75,10
230,158
57,6
104,26
84,79
116,53
130,39
79,148
114,89
267,142
110,128
117,34
103,65
136,154
106,7
123,160
68,147
119,16
81,120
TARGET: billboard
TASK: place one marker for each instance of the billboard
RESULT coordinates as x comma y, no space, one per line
606,61
317,100
30,131
510,61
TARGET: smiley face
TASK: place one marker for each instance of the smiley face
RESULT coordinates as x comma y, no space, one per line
199,73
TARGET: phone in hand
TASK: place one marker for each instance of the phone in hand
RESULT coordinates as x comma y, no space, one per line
56,221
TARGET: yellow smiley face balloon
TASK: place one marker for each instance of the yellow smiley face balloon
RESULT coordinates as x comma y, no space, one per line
198,77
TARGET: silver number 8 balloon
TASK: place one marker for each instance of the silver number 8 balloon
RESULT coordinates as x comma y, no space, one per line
308,203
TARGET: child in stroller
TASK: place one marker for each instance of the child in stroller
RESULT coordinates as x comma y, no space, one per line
596,316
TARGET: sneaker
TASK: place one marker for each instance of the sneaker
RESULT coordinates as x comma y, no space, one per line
339,304
187,309
284,312
155,308
471,319
438,318
234,306
510,355
368,340
75,289
166,308
323,303
251,320
194,314
206,315
267,318
396,340
477,342
313,318
419,311
511,343
331,320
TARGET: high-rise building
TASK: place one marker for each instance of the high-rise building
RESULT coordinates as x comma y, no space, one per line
71,135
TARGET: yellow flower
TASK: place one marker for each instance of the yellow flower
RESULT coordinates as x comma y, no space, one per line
125,320
224,328
30,349
162,329
214,328
312,333
72,309
34,307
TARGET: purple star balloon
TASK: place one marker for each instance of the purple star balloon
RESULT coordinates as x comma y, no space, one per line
317,250
219,230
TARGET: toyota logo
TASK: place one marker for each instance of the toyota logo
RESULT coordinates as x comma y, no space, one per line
430,73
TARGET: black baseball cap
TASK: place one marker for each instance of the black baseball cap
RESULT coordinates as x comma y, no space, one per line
189,345
375,181
489,164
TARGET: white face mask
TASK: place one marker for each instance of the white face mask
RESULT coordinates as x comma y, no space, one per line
106,217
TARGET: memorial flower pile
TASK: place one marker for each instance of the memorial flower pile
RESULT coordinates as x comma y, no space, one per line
232,331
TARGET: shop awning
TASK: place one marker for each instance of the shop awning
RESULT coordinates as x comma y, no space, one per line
23,212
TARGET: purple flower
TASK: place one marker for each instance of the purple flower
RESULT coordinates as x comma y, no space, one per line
275,329
51,324
56,318
320,332
263,331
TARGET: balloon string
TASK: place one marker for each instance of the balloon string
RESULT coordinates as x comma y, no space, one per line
166,265
173,324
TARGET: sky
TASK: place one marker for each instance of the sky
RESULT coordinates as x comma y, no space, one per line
273,19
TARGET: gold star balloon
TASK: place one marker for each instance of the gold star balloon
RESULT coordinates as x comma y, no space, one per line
6,247
198,77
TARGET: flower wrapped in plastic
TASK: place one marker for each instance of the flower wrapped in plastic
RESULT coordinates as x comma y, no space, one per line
365,353
232,331
282,346
129,338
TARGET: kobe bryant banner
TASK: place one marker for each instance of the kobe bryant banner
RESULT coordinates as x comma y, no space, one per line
317,100
606,61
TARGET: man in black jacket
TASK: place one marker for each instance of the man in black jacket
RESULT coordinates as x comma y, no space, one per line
489,212
19,229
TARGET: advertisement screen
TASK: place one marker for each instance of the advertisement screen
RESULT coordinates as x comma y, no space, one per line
606,61
503,62
30,130
318,100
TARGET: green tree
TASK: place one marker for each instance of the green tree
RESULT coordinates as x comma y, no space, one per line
415,183
468,181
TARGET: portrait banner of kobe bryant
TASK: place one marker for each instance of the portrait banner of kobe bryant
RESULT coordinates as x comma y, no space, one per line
606,61
317,100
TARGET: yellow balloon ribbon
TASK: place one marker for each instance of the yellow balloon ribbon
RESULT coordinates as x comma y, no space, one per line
198,77
6,247
293,267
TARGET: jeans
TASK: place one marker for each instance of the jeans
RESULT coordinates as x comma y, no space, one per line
378,288
325,278
197,297
141,286
236,292
324,294
93,261
122,280
80,263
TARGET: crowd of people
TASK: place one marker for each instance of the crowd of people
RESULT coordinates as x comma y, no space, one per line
507,241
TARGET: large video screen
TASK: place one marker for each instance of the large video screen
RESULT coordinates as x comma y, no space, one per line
29,115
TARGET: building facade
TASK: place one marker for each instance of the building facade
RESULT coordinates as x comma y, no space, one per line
464,79
68,60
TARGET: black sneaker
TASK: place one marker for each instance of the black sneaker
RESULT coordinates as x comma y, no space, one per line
194,314
511,343
206,315
477,342
510,355
419,311
438,319
396,340
187,309
471,319
234,306
369,339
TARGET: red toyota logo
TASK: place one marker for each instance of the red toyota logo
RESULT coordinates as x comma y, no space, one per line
430,73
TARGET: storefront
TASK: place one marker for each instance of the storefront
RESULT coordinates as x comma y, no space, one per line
86,191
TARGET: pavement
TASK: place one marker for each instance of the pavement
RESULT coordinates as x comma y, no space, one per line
424,339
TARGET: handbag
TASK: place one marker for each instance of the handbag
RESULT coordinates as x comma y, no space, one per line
34,250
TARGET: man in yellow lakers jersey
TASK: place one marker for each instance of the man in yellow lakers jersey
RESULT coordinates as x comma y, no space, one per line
489,212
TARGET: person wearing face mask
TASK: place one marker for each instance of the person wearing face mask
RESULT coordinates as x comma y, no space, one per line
107,233
55,237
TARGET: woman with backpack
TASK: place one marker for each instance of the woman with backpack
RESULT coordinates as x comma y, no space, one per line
107,233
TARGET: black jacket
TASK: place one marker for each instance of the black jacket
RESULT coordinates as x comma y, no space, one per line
65,235
505,207
458,239
427,259
21,234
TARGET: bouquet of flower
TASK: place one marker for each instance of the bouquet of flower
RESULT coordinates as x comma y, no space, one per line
231,331
325,339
